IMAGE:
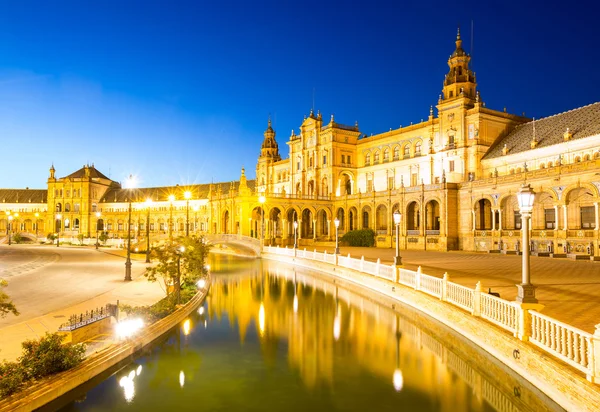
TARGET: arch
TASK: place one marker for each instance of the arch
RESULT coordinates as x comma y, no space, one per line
367,159
256,222
381,219
580,207
376,157
311,189
225,222
597,155
483,214
352,219
550,164
346,183
100,225
418,146
586,158
59,207
365,217
322,226
396,152
299,189
406,151
386,155
67,207
542,165
275,228
291,217
76,224
307,223
577,159
413,216
432,215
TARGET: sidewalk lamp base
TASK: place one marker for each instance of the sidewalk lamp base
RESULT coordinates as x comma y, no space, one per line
397,261
128,270
526,293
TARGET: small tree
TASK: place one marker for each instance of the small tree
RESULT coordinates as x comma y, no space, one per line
6,305
80,238
51,237
17,238
103,237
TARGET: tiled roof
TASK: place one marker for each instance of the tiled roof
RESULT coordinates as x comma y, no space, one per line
23,195
161,194
581,122
94,173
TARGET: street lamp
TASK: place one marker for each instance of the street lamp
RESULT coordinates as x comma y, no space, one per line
397,219
171,200
98,214
129,185
148,204
262,200
336,222
525,291
295,234
188,196
9,228
59,218
179,252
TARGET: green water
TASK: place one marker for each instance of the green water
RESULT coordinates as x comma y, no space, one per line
274,338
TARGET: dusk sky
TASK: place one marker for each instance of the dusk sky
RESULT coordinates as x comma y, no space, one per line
179,92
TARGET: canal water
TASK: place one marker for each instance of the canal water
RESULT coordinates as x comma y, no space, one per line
272,337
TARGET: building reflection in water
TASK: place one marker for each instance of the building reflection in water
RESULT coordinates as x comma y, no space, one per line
299,310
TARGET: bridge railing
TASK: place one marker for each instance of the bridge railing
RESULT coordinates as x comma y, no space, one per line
577,348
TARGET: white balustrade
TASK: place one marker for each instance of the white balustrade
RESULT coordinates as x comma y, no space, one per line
499,311
460,296
431,285
570,344
408,278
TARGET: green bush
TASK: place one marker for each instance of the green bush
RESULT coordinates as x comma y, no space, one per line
48,355
12,378
162,308
363,237
17,238
42,357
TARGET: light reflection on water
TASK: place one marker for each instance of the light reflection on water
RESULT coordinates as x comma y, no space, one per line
273,338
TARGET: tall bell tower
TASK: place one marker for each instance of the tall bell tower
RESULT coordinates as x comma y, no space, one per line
269,154
460,80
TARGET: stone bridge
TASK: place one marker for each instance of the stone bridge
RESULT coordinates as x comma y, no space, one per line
243,242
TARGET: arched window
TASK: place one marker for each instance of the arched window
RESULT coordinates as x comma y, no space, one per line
59,207
376,158
586,158
406,151
386,155
76,224
396,153
67,207
94,207
67,223
577,159
542,166
367,159
550,164
418,149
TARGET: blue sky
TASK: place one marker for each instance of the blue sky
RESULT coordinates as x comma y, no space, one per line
179,92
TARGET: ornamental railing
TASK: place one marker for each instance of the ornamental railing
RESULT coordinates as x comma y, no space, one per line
82,319
574,346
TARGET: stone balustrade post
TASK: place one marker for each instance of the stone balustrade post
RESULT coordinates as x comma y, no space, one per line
418,279
594,375
445,279
477,300
377,267
524,322
362,263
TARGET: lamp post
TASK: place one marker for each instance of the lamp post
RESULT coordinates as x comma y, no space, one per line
9,228
525,290
188,196
171,200
336,222
98,214
148,204
59,218
130,184
179,252
397,219
295,234
262,200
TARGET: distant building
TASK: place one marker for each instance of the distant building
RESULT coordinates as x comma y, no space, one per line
453,177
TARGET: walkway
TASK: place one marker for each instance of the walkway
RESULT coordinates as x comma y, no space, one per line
49,285
570,290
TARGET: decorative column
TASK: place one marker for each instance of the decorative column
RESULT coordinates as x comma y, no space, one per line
284,230
565,217
314,227
556,225
500,220
596,215
329,229
473,220
299,231
493,220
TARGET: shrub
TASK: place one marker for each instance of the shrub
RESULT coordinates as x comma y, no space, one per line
363,237
17,238
12,378
48,355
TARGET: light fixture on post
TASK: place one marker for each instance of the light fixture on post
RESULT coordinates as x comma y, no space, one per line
171,200
148,205
295,234
188,196
336,223
98,214
525,290
397,219
9,228
262,199
129,185
58,226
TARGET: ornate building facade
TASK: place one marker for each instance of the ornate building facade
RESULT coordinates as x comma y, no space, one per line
454,178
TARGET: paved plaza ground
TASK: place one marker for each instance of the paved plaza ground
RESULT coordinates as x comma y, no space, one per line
49,284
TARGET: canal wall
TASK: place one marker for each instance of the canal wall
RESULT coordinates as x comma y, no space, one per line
50,389
558,381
